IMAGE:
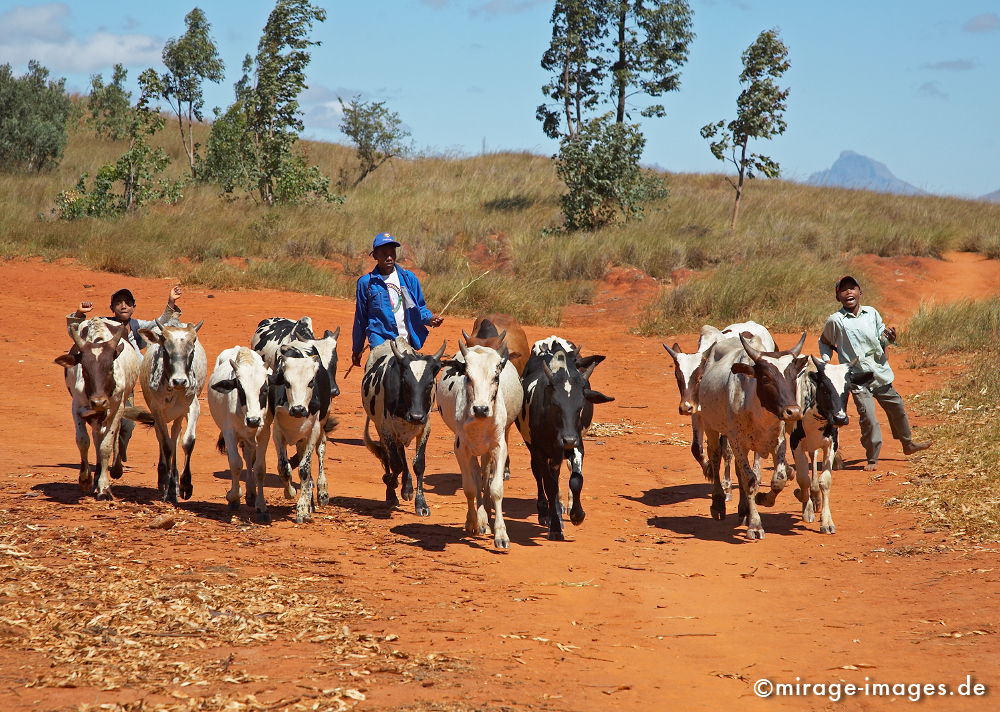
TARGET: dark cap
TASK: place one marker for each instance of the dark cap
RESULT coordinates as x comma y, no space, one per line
845,281
123,295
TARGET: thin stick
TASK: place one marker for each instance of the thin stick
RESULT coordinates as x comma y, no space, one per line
476,279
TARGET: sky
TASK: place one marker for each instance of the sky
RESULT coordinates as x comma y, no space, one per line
914,84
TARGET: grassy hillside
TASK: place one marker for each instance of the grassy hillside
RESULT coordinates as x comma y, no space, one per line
460,216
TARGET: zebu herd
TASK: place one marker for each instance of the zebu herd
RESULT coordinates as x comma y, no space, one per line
744,396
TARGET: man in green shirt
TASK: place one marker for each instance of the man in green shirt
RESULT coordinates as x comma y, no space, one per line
860,338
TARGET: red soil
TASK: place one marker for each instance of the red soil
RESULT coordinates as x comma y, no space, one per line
652,602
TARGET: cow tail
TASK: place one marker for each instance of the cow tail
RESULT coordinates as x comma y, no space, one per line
139,415
374,446
220,444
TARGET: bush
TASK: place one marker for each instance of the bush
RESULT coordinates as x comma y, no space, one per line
961,327
33,116
600,166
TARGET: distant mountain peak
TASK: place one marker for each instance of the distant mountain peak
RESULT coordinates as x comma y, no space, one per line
853,170
993,197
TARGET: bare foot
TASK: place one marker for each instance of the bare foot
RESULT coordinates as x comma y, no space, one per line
912,447
871,466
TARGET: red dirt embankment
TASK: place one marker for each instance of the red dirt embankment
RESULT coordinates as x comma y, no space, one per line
650,602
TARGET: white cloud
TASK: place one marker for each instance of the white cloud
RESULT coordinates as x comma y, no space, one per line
41,22
952,65
503,7
40,33
987,22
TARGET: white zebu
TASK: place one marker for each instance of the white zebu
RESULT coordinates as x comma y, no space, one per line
237,399
172,375
100,376
479,396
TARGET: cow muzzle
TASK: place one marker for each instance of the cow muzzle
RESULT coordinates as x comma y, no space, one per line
253,422
686,408
99,404
841,419
791,413
298,411
570,443
178,383
416,418
481,411
334,391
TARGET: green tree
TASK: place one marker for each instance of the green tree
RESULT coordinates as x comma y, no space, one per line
649,45
577,64
34,111
190,60
759,110
108,105
135,178
378,133
269,90
600,167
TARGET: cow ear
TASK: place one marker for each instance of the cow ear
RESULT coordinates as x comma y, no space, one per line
800,362
459,366
596,396
119,349
151,335
587,364
68,360
334,334
225,385
862,379
284,349
743,368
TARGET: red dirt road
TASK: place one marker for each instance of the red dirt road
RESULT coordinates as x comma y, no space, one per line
649,603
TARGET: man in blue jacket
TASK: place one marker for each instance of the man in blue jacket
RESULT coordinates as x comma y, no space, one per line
389,302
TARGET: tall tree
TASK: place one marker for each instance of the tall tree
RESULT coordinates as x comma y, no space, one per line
577,64
34,111
108,105
271,84
759,114
649,46
377,132
190,60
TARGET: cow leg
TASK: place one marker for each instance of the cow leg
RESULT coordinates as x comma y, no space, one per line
506,469
284,466
540,469
396,461
697,451
551,484
469,466
249,451
576,513
749,478
803,480
104,442
780,478
419,458
727,456
322,494
495,474
172,477
826,525
715,444
303,507
259,472
235,470
86,477
187,444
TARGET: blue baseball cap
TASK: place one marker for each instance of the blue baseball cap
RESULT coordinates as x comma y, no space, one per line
384,238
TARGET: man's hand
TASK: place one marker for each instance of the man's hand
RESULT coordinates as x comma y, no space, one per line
85,308
355,359
437,320
175,293
890,333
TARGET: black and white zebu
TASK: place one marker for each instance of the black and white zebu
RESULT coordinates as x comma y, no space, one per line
558,409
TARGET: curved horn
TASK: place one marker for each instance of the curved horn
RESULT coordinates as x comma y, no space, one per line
753,353
502,336
672,351
797,349
395,350
462,347
547,371
74,333
159,323
465,336
820,365
440,352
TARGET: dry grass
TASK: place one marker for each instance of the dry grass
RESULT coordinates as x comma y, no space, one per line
445,208
959,478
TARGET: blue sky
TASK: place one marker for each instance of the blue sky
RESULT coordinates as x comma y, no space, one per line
911,83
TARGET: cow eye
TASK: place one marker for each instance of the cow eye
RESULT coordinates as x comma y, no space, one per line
312,383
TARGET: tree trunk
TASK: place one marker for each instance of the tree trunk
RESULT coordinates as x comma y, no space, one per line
620,80
567,96
741,175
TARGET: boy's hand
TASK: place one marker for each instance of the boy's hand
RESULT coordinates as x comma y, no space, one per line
437,320
356,359
85,308
175,293
890,333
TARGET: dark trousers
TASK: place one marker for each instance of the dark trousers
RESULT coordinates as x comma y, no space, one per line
892,404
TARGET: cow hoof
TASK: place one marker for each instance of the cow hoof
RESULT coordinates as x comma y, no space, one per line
250,499
718,513
753,533
262,517
392,502
117,471
557,536
506,475
234,506
104,495
422,510
86,481
501,542
324,499
483,529
832,529
765,499
577,519
543,520
186,490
